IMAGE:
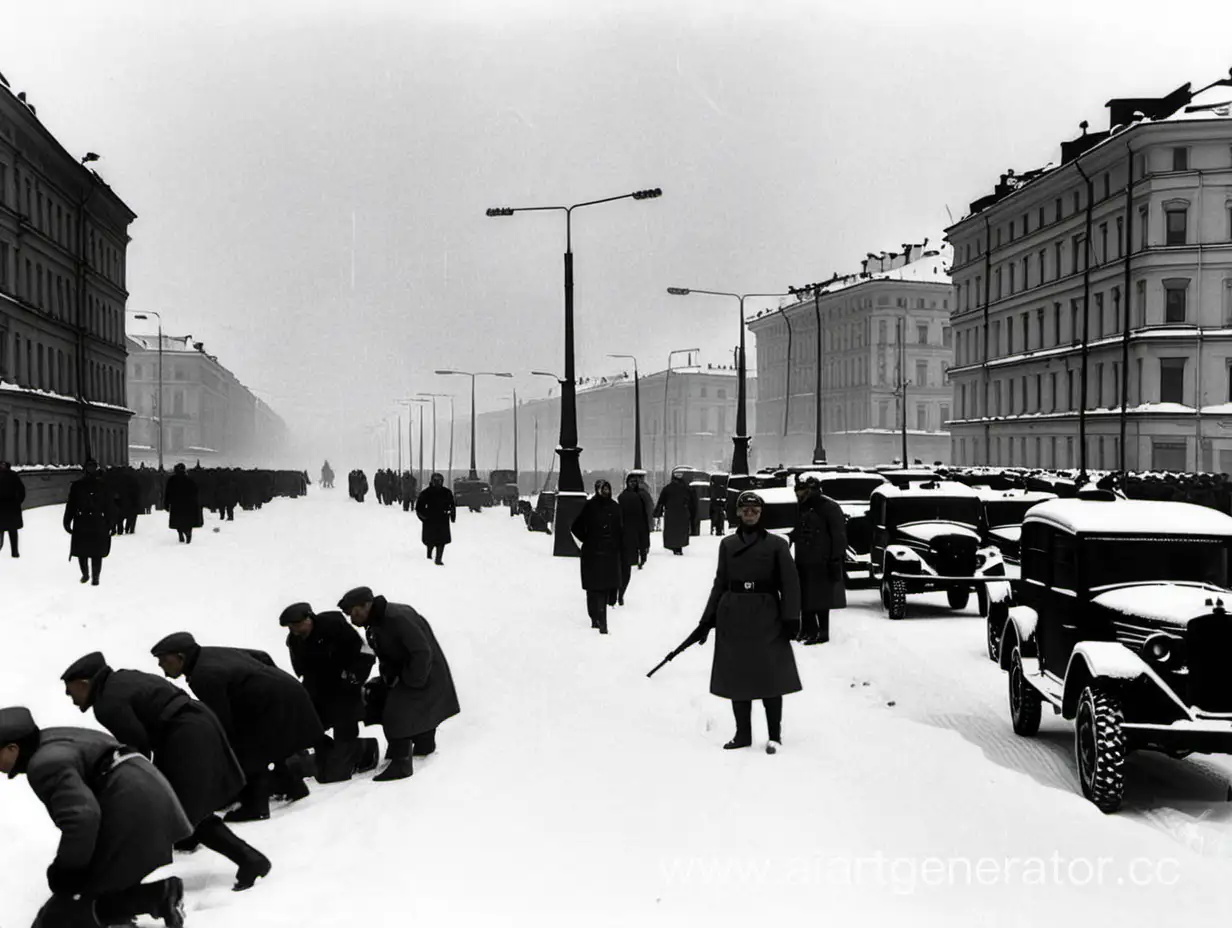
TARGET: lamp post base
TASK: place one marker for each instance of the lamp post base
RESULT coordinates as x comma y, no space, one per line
570,498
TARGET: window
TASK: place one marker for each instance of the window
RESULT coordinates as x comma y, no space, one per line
1009,406
1120,236
1140,296
1058,209
921,334
1168,455
1040,224
1012,287
1043,273
1143,238
921,418
1177,221
1026,331
1075,336
946,337
1070,391
979,290
1180,159
996,337
1103,242
1099,315
1171,380
1175,290
1099,386
1052,390
1058,254
883,414
1009,335
1056,323
1039,394
1107,186
1118,324
921,373
945,414
996,283
1076,251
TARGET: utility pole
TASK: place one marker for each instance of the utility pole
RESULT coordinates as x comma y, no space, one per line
902,385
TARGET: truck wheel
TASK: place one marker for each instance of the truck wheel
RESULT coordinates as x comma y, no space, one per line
1025,702
958,598
894,596
1099,746
997,614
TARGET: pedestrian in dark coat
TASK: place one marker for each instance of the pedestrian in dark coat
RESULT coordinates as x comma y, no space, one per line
754,610
183,504
265,712
718,509
436,510
416,682
649,503
635,535
820,540
678,506
600,532
118,819
88,516
130,500
185,741
12,495
329,656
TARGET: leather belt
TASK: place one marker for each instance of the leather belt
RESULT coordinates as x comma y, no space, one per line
753,586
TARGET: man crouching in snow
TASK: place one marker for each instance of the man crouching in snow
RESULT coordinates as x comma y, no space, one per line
118,819
415,680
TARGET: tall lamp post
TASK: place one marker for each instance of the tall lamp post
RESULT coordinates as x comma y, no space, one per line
738,479
474,474
815,289
561,382
667,377
433,397
146,315
637,412
571,495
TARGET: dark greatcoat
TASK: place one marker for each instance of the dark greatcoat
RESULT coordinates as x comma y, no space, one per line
636,522
421,693
334,666
600,532
117,824
183,503
265,712
88,515
820,540
677,505
184,738
12,495
752,653
435,508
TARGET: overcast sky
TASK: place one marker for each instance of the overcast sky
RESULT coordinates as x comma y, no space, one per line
310,177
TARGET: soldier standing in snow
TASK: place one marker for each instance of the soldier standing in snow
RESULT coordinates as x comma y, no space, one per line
88,516
820,540
185,741
265,712
118,819
182,501
12,495
635,535
436,510
416,685
648,501
600,532
677,505
328,654
754,611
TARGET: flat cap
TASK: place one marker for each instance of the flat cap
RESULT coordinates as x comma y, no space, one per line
16,723
294,613
175,643
84,668
355,597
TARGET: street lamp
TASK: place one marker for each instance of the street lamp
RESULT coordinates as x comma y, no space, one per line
410,403
637,412
433,397
667,377
147,315
819,450
571,495
474,474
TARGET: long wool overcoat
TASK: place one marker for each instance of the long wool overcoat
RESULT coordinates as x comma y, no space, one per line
12,495
421,693
266,713
752,655
635,519
183,501
600,531
677,505
117,822
334,648
181,735
88,515
436,509
820,540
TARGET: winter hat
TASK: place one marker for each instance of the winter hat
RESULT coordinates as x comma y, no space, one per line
16,723
175,643
296,612
85,668
355,597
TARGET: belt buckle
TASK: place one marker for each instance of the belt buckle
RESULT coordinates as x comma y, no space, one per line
748,584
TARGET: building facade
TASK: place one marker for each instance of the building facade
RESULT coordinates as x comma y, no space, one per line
882,329
209,415
1094,298
63,289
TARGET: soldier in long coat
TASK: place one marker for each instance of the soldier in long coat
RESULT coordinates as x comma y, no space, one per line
599,530
12,495
415,678
183,503
677,505
436,509
754,611
185,741
265,712
649,503
820,540
118,819
328,655
88,516
635,537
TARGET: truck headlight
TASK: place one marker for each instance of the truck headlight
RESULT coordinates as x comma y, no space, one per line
1164,649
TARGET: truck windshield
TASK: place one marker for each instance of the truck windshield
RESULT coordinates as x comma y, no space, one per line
1145,559
850,489
935,509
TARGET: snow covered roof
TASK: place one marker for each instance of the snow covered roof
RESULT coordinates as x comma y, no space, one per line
933,488
988,494
1132,517
1163,602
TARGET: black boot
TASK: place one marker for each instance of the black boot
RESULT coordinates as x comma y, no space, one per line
398,769
743,711
370,755
337,760
254,801
423,744
222,840
164,899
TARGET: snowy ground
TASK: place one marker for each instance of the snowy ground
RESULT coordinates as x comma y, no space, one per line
572,788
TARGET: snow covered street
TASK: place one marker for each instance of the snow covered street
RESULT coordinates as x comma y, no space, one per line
573,789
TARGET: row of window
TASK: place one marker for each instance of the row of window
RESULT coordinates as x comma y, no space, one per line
31,364
46,442
54,294
1061,451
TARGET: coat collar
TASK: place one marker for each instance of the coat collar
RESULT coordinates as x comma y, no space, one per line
377,615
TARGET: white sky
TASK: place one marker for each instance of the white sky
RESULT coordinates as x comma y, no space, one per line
789,139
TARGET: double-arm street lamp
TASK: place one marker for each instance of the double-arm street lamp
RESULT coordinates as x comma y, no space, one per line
146,315
474,474
637,412
558,379
667,379
571,494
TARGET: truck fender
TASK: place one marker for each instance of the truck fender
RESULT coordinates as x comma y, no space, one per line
1019,633
1099,660
900,554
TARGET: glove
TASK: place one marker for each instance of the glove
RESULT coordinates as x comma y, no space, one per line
453,517
64,880
704,628
68,526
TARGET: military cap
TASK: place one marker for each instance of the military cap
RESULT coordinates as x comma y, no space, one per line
295,612
175,643
355,597
16,723
749,498
84,668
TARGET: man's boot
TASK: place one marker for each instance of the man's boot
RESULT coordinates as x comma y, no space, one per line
423,744
254,801
400,765
337,760
222,840
163,899
370,755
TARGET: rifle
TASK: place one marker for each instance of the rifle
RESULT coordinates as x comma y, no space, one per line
695,637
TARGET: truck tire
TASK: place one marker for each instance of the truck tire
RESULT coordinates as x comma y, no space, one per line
958,599
997,615
1025,702
894,596
1099,747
